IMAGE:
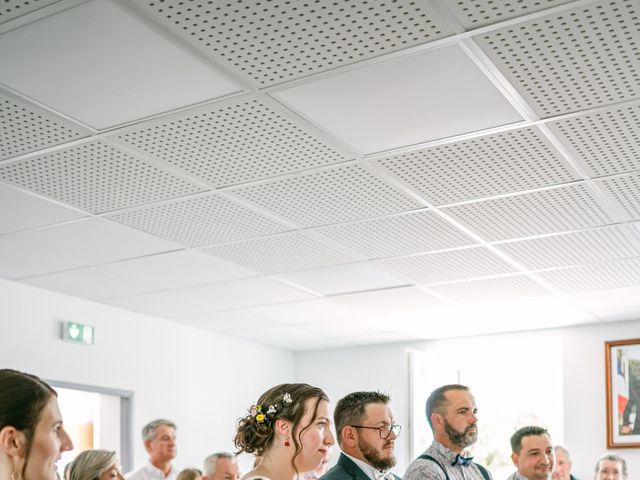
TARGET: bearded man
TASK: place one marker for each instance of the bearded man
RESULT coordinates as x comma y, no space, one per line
451,413
366,434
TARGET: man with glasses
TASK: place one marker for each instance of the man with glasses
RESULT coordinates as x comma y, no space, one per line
366,435
451,413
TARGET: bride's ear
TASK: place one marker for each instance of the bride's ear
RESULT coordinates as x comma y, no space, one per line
12,442
283,427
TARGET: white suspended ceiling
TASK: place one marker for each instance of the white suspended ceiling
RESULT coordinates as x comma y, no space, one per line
322,174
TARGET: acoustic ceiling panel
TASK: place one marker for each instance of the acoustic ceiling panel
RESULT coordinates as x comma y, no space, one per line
330,195
536,213
448,266
608,142
587,246
200,221
96,177
22,211
403,234
10,9
25,128
232,143
501,163
577,59
626,190
85,242
478,13
599,276
491,289
283,253
110,66
275,41
433,94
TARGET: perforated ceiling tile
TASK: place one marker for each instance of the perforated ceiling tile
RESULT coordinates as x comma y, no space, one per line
272,41
200,221
10,9
233,144
95,177
478,13
607,142
502,163
448,266
536,213
581,58
403,234
573,248
284,253
491,289
25,129
330,195
599,276
626,191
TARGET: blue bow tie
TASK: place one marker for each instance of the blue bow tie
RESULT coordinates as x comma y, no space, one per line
464,461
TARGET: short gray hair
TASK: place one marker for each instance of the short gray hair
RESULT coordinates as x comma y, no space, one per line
149,430
562,449
91,464
613,458
210,462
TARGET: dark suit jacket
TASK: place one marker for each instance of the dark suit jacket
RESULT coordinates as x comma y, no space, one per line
346,469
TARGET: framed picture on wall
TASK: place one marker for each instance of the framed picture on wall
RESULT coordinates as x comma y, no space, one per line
622,367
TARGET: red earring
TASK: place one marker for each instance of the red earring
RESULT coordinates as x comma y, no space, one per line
286,443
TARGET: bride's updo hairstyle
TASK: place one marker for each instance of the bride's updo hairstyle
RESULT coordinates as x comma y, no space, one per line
256,430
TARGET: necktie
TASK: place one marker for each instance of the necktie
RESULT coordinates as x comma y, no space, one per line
384,476
464,461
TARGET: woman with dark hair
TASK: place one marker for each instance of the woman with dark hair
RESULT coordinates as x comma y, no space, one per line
31,434
289,428
95,465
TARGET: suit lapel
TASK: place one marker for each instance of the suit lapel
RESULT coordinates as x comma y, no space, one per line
351,468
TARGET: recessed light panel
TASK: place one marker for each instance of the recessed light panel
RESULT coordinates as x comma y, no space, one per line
353,277
109,67
431,95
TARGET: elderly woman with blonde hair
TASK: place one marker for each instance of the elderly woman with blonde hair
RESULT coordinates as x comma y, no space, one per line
95,465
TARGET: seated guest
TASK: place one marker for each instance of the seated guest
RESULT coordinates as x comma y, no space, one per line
31,433
611,467
95,465
563,464
220,466
532,454
289,428
159,439
190,474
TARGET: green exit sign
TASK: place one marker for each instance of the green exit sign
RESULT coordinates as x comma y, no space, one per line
78,333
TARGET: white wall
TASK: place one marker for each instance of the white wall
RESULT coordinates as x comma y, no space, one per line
200,380
340,371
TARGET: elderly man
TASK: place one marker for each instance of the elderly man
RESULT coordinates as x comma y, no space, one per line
159,437
366,435
220,466
532,454
611,467
563,464
451,413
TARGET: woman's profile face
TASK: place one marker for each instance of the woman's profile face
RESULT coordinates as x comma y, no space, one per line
317,438
49,441
112,473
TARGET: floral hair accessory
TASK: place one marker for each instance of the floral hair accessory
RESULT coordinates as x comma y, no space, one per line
272,410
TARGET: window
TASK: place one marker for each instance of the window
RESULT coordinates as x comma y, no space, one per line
514,384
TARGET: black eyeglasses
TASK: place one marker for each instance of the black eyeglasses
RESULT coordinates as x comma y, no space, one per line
384,431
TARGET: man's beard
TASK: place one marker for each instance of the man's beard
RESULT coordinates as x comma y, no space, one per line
373,458
461,439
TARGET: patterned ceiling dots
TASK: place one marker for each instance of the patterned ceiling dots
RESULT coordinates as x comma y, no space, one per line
271,41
